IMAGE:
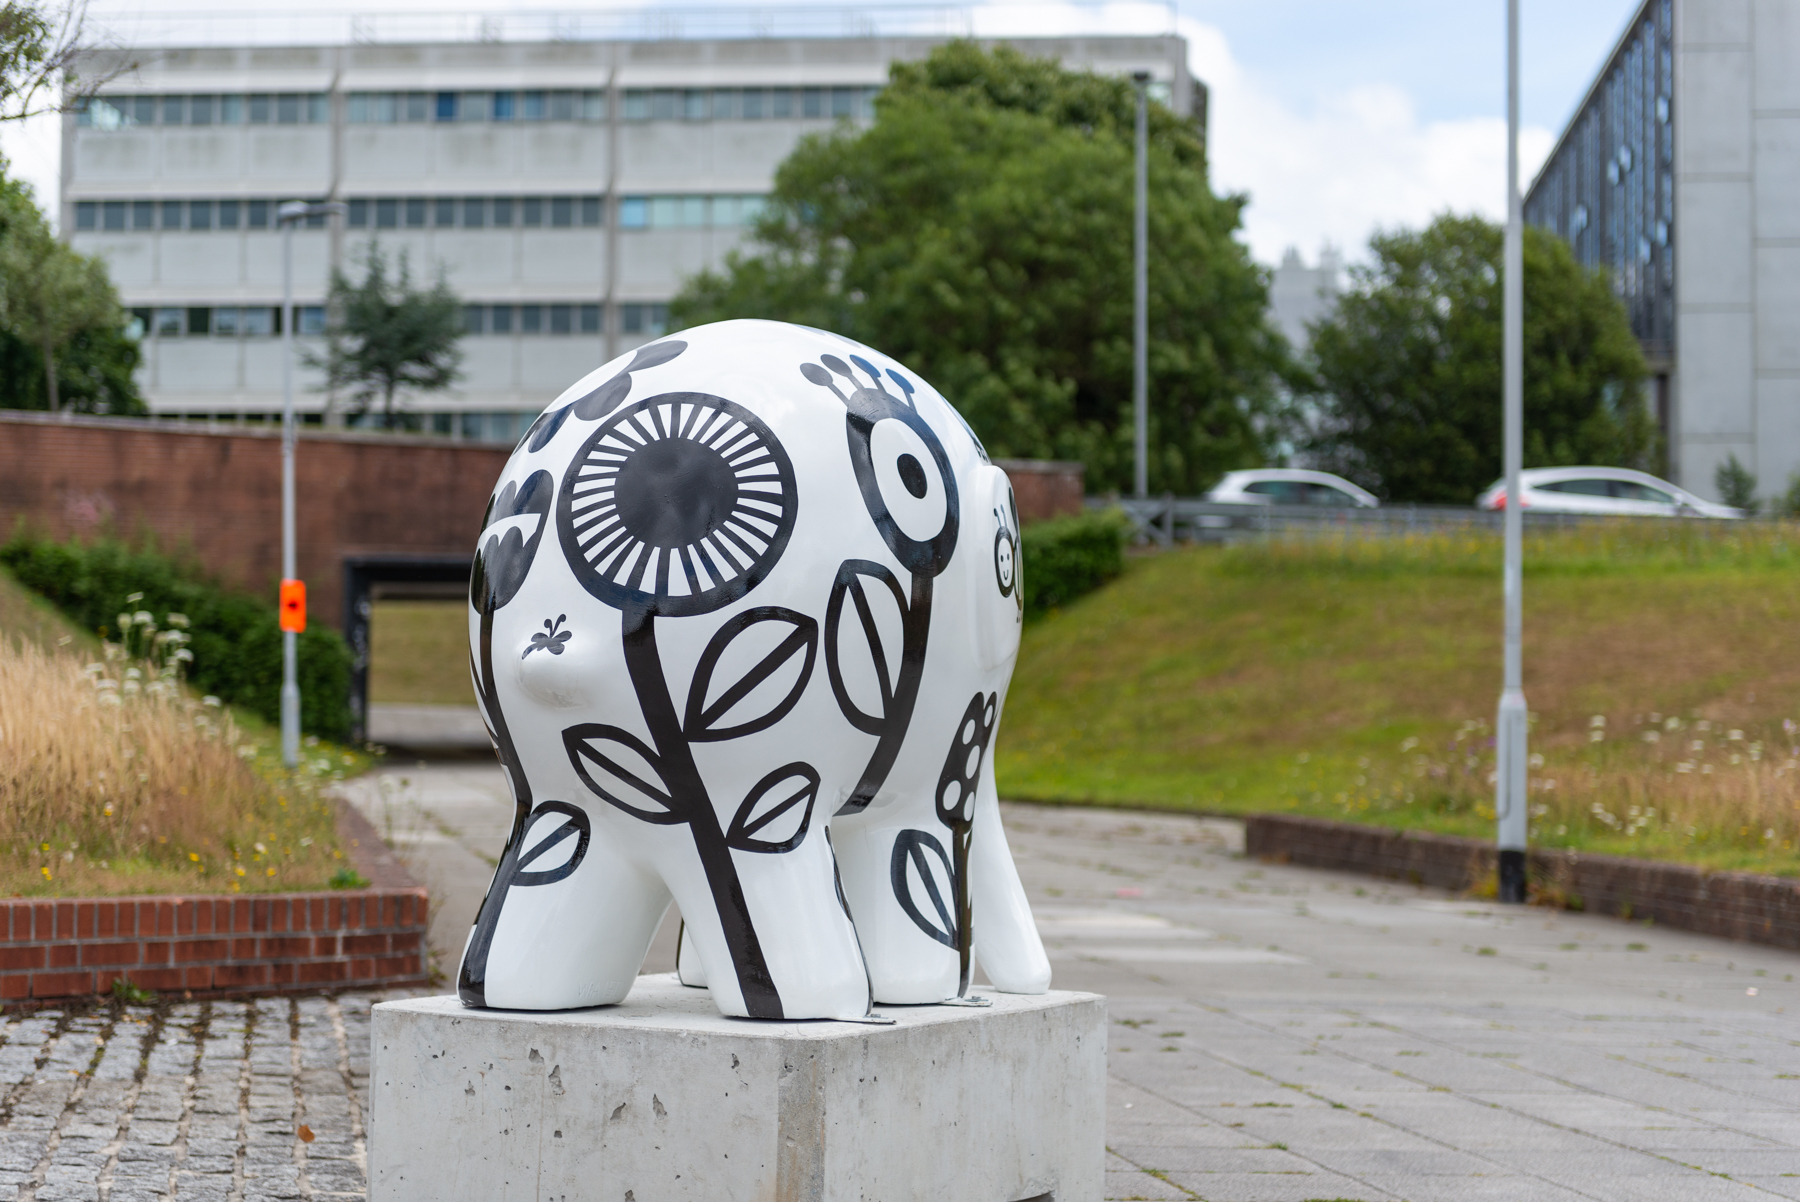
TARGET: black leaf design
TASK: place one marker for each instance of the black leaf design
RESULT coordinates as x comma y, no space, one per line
704,711
656,354
551,638
603,400
962,766
788,786
913,873
545,428
503,559
626,761
578,827
849,587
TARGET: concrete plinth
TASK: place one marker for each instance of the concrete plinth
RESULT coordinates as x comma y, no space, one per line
661,1098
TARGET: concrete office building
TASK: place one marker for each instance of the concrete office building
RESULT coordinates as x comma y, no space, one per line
1680,176
1300,295
565,189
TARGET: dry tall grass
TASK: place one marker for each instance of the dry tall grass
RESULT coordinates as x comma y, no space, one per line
114,778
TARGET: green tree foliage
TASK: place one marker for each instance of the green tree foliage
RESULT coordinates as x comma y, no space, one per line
980,230
1066,558
1409,366
386,336
236,639
1736,484
38,48
58,308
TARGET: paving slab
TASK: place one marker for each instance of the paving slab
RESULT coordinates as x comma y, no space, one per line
1276,1033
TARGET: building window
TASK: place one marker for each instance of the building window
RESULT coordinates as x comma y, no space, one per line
418,107
168,323
172,108
812,102
228,214
533,108
231,110
260,107
200,110
663,104
200,214
415,212
593,106
387,214
634,213
590,319
590,210
474,106
843,101
500,319
562,319
532,211
445,212
474,212
562,106
87,215
781,103
562,211
226,323
694,105
171,214
358,217
112,217
318,108
287,109
199,321
753,104
503,104
503,210
259,322
724,104
531,319
256,214
637,105
472,323
645,319
446,106
312,319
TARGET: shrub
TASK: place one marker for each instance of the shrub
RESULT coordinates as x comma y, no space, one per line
236,640
1065,558
1736,484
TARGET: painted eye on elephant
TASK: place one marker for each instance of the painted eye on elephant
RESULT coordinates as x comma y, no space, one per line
677,505
908,476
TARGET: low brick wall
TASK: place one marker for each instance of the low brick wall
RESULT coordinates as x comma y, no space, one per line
211,945
1045,488
1736,905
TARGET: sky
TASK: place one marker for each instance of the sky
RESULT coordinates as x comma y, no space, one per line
1335,119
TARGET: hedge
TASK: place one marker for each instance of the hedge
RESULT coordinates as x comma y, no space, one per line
236,639
1065,558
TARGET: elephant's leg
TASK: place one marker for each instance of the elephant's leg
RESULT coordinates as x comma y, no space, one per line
898,883
809,952
574,942
1007,944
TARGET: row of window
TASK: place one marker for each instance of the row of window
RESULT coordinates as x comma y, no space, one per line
505,426
264,321
387,108
263,108
429,212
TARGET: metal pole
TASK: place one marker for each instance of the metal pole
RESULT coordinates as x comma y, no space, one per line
1512,727
1140,296
290,684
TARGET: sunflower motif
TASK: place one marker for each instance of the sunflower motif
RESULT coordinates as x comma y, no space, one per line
677,505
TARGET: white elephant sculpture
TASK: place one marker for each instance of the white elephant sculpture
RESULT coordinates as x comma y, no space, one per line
743,614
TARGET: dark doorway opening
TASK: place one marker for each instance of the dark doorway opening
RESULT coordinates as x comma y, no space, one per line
371,578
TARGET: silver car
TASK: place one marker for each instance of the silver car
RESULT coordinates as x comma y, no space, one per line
1290,486
1603,490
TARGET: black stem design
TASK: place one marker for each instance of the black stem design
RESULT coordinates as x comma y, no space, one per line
688,799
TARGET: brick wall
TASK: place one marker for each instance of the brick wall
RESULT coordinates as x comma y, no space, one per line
1044,488
218,493
1735,905
212,945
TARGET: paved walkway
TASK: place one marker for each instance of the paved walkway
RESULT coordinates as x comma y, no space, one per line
1278,1034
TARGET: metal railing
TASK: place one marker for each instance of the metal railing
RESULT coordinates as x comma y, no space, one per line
1170,519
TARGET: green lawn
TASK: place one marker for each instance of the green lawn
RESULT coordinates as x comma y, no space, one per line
1358,678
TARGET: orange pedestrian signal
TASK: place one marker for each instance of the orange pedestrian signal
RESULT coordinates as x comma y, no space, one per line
293,606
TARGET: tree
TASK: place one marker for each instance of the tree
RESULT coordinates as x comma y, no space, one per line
1736,484
980,230
52,299
1408,366
386,336
39,51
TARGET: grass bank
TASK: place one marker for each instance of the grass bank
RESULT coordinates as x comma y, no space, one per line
117,778
1356,678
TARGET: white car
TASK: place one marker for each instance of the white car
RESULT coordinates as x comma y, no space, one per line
1290,486
1603,490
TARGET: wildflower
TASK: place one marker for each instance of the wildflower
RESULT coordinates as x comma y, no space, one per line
133,598
240,870
1697,745
1408,744
47,875
194,856
180,621
210,701
1536,760
1597,722
1651,736
1596,736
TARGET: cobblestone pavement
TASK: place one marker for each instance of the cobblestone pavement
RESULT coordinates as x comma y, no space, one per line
204,1101
1278,1035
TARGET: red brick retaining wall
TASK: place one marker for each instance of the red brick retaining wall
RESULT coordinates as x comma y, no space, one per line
1736,905
1045,488
211,945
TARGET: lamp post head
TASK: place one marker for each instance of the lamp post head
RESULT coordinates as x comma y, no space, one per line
1140,78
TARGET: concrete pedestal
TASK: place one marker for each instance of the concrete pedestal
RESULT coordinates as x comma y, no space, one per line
660,1098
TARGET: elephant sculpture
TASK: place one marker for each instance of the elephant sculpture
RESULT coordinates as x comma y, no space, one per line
742,616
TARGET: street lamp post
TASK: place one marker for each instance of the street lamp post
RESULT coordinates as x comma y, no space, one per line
1512,727
1140,296
293,592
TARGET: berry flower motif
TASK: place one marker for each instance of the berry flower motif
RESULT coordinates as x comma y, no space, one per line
551,641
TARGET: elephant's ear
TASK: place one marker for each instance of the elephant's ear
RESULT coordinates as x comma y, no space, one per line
771,807
924,884
766,657
621,770
510,534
